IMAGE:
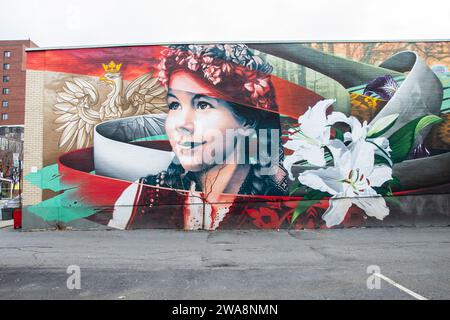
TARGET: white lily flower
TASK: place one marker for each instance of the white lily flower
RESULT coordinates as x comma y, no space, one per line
350,181
364,132
309,138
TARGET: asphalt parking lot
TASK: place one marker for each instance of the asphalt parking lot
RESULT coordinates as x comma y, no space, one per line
167,264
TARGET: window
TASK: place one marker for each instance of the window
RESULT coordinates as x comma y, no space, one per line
5,104
4,116
6,66
6,78
5,90
7,54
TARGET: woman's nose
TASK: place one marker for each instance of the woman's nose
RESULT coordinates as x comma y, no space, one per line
185,124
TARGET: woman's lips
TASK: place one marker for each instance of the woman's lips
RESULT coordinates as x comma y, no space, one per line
188,145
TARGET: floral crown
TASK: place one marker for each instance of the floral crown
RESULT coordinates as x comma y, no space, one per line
233,69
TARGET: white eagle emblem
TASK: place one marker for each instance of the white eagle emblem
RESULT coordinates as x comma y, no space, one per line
79,108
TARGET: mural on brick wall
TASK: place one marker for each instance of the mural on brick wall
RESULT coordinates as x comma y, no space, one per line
233,136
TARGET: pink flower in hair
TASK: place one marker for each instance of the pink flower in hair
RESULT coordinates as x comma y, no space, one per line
212,73
229,65
193,63
167,52
258,87
227,68
181,57
162,64
207,60
162,76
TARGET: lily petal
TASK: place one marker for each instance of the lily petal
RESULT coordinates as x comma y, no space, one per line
336,212
325,180
335,117
363,156
358,130
382,143
295,144
373,206
315,155
289,161
341,155
314,121
380,174
382,124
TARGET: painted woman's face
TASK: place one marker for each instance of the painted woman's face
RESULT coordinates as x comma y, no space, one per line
196,124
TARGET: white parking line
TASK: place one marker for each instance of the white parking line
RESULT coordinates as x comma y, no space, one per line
395,284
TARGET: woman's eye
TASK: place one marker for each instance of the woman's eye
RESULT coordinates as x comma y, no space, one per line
203,105
174,105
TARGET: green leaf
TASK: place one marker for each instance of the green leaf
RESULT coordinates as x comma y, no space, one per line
302,206
402,140
339,134
312,197
394,200
294,188
394,181
381,160
426,121
381,191
383,154
382,125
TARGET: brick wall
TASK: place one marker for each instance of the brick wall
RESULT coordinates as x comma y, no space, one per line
33,145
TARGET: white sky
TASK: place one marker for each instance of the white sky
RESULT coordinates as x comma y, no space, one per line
87,22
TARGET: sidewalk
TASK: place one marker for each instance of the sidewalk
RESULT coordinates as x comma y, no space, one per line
6,223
